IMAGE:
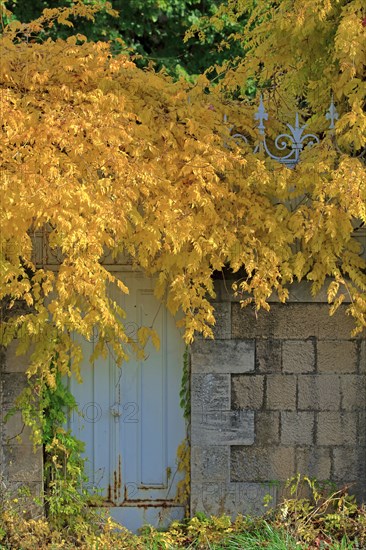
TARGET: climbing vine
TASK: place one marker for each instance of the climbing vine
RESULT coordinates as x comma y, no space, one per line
184,449
185,391
66,494
45,409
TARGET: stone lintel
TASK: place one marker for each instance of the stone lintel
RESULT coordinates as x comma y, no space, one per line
223,356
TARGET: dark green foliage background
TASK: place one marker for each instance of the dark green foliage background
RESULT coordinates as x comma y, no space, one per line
154,29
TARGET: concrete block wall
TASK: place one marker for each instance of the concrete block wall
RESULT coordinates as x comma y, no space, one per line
273,395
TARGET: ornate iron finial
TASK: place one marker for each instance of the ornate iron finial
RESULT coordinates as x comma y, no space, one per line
294,140
332,114
261,115
296,133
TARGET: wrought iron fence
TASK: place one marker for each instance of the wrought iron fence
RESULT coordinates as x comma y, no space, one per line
293,142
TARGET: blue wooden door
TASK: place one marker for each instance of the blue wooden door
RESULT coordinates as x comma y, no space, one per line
130,418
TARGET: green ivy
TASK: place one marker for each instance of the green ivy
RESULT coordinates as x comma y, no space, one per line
66,498
185,391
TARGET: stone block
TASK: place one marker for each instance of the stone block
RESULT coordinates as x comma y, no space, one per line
305,320
222,327
353,388
211,463
361,428
262,463
267,428
223,428
223,289
298,356
280,392
247,325
222,356
210,392
314,462
249,498
338,326
336,428
301,292
13,384
337,356
22,463
218,498
297,428
319,392
349,463
297,321
268,355
362,356
358,490
25,494
13,362
247,391
14,429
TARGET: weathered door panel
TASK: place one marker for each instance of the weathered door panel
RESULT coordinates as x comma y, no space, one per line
131,421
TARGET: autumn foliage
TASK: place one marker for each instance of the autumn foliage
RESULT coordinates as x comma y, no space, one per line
103,156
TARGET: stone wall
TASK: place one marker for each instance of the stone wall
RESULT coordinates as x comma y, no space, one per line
21,467
273,395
